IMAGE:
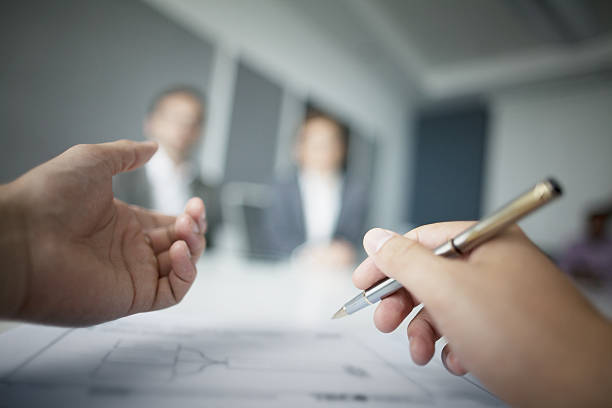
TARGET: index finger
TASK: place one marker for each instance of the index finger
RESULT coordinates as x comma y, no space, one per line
434,235
430,236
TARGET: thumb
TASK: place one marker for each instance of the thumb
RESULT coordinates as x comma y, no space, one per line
428,277
125,155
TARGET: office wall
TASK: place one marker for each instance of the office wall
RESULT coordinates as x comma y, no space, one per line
83,71
562,130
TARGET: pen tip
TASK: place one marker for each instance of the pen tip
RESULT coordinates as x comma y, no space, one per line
340,313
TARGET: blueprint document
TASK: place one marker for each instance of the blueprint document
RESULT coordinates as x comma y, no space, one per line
139,362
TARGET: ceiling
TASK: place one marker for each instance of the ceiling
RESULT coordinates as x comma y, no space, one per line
450,48
438,49
450,31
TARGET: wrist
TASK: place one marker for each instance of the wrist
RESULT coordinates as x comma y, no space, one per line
600,367
14,253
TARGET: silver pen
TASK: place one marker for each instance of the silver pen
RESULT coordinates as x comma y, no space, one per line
542,193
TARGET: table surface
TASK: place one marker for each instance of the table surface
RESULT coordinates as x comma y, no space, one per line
234,292
231,290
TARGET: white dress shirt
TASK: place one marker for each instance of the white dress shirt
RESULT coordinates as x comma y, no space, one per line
321,203
170,184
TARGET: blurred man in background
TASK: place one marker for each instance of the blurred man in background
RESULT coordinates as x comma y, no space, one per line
318,210
591,256
175,119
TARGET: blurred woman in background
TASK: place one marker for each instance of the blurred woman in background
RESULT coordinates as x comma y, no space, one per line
318,214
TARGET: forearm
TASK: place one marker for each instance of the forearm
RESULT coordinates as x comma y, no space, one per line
592,376
14,253
572,369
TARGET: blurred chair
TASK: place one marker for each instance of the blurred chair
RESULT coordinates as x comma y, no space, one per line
243,206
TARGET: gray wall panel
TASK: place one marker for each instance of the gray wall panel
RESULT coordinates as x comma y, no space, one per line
83,71
251,152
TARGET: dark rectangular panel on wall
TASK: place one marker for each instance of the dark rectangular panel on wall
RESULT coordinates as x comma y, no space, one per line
450,149
84,71
253,135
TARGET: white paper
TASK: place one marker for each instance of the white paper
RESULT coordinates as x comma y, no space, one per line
141,362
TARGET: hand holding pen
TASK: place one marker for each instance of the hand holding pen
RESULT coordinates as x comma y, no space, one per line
485,229
507,312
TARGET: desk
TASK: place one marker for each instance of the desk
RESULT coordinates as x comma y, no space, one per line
231,290
247,334
283,294
230,297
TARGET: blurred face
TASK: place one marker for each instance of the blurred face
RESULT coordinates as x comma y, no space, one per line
320,146
597,227
176,124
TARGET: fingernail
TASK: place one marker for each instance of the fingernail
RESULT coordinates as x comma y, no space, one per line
444,362
451,359
188,251
151,143
195,227
412,342
203,219
375,239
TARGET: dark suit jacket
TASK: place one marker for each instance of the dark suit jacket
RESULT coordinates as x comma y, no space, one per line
285,224
134,188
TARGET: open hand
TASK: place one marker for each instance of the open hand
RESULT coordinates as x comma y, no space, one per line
90,258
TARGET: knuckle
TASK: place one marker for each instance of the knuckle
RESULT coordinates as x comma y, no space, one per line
515,232
80,148
515,229
397,253
122,143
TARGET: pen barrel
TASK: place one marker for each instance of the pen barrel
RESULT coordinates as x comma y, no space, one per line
384,288
540,194
357,303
